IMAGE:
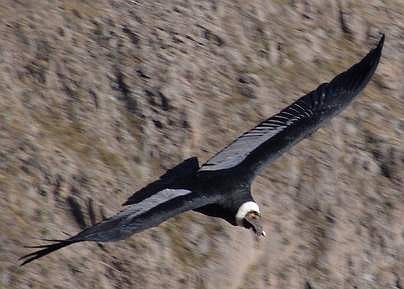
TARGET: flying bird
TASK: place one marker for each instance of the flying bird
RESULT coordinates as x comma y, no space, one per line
221,187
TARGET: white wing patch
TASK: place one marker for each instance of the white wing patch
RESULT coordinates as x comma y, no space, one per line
151,202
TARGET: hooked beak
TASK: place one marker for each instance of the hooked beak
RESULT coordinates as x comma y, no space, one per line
253,221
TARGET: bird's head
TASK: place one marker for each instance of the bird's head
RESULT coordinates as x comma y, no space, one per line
249,217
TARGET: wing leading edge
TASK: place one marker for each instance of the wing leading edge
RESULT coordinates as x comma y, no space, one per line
270,138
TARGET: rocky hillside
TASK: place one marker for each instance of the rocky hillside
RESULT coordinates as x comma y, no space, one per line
98,98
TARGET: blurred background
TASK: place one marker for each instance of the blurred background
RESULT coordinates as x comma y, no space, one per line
98,98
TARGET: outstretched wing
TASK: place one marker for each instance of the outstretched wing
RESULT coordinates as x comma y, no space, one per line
134,218
270,138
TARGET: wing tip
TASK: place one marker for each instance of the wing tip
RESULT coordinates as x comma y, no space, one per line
381,41
361,72
376,52
378,49
43,250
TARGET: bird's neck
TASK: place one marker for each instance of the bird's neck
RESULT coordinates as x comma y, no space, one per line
244,209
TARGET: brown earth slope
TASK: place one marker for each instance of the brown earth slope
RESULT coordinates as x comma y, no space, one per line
97,98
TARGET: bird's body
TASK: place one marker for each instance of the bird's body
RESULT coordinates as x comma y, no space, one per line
221,186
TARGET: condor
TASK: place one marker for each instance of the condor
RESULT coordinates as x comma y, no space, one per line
221,186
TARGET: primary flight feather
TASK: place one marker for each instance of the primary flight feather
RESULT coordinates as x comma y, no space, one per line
221,186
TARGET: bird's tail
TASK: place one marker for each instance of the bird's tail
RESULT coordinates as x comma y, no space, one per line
45,250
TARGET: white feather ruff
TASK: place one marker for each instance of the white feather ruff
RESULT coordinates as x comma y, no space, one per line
244,209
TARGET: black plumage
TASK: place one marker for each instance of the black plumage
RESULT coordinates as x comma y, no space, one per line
221,186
